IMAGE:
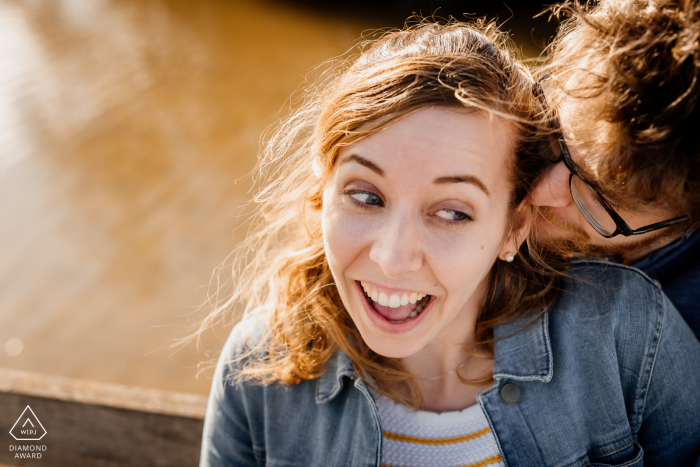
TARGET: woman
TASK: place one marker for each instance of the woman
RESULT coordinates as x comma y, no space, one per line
389,273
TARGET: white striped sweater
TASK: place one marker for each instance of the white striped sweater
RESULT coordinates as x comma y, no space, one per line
428,439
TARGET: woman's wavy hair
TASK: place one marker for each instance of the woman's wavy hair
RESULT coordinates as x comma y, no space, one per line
281,270
632,69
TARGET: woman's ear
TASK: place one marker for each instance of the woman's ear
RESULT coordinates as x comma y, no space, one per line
518,232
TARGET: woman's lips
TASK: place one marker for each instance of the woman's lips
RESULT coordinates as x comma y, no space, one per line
397,319
400,313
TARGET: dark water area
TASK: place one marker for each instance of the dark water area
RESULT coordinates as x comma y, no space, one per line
394,12
529,22
127,130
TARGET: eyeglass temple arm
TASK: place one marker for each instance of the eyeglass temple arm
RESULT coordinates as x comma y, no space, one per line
659,225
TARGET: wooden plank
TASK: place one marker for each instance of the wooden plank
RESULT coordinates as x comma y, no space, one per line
98,424
98,393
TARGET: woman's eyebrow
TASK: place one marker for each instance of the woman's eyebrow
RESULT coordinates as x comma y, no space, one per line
362,161
471,179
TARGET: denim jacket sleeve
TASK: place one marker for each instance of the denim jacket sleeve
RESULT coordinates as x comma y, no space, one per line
330,421
672,398
226,438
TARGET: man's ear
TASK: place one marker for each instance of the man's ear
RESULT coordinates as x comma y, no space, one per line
522,223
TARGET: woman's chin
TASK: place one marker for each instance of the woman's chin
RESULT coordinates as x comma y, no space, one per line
389,339
391,348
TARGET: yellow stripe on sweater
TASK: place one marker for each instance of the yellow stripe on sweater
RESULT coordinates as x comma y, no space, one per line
485,462
413,439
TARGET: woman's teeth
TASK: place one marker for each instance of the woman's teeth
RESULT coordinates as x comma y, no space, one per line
392,300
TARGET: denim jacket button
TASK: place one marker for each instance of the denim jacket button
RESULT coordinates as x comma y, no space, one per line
510,393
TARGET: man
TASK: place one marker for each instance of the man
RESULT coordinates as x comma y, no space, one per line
624,78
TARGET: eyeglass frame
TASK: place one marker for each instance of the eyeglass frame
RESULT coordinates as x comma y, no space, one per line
621,227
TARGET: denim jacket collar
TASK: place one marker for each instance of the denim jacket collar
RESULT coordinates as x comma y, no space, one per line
523,352
330,383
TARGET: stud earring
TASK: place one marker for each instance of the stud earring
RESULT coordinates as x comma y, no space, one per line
510,258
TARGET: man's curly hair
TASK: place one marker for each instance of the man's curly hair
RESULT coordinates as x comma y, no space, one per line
634,66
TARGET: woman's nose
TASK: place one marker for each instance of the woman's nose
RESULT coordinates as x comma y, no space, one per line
553,188
396,249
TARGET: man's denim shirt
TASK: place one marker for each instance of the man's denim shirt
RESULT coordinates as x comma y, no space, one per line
677,268
610,376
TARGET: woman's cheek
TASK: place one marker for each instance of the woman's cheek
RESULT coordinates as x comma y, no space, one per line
342,234
466,259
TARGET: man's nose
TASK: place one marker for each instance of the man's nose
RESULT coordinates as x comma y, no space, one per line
553,188
396,249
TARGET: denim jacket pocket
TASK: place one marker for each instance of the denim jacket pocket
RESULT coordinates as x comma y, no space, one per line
631,456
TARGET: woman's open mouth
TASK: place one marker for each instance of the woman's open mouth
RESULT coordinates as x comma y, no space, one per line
395,308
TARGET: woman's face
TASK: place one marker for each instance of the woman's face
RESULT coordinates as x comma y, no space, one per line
414,217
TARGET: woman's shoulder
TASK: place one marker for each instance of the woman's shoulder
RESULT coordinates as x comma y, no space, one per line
614,322
610,306
247,334
620,310
244,344
610,292
591,276
619,364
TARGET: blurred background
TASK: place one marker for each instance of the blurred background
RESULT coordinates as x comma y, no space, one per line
128,129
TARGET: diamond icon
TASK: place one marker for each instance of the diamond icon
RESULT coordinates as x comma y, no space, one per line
28,427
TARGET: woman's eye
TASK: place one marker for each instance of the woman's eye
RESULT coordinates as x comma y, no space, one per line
452,215
366,197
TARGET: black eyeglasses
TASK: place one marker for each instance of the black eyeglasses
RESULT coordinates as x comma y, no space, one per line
597,211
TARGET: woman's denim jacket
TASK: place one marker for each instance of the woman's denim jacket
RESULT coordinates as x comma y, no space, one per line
610,376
